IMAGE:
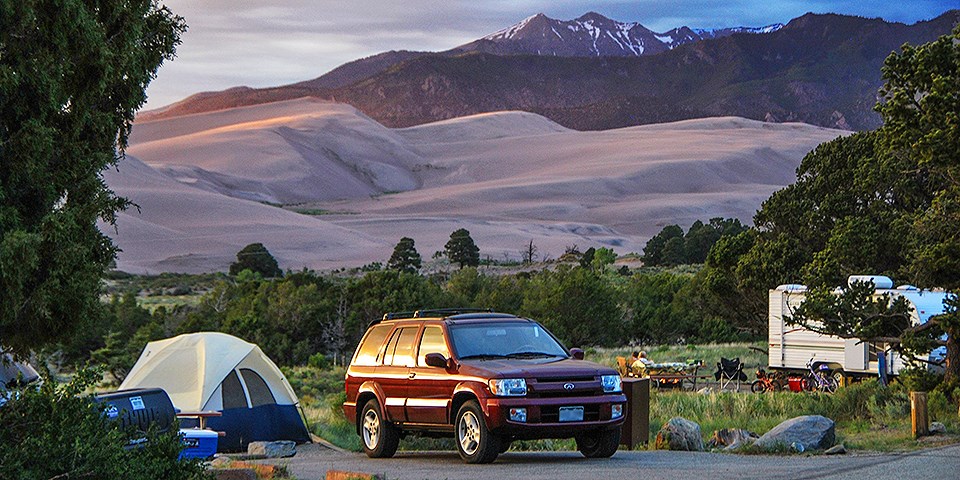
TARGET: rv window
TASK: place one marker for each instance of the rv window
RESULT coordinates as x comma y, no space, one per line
260,393
232,392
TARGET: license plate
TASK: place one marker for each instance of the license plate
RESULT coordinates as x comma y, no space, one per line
571,414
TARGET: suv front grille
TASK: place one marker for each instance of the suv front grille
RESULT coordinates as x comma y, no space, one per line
557,387
562,380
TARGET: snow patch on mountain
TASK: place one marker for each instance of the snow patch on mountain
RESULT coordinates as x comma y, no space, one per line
593,34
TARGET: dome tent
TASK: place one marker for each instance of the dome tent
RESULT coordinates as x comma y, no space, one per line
216,371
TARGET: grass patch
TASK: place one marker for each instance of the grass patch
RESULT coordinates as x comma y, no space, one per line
869,416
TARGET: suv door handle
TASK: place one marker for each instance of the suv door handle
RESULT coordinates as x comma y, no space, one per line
411,375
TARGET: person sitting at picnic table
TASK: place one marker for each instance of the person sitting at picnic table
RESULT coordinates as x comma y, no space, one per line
641,363
634,357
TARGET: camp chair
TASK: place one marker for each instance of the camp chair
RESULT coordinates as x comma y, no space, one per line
730,371
622,366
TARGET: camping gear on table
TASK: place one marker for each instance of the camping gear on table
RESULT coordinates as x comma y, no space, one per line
668,374
215,371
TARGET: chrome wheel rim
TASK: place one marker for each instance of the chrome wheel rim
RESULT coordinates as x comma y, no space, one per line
468,433
371,429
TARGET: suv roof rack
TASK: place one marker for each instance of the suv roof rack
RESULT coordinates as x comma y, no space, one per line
444,312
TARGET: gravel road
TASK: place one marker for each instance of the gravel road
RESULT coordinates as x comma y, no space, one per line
313,461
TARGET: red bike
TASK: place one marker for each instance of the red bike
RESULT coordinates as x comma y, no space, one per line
766,383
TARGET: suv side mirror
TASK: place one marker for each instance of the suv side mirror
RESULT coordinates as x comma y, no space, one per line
576,353
436,360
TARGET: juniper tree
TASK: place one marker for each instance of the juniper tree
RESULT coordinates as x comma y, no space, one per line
72,75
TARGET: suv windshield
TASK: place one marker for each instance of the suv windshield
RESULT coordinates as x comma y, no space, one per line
504,340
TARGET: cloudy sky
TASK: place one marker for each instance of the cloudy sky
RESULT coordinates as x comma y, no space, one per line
265,43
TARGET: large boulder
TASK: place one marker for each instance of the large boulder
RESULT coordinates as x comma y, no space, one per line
809,432
277,449
679,434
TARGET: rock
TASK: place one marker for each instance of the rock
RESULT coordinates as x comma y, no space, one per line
937,428
837,449
705,391
809,432
221,462
278,449
233,474
732,438
339,475
679,434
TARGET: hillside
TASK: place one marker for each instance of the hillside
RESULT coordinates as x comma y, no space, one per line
818,69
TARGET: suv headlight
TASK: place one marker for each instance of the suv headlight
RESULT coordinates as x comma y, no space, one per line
611,383
508,387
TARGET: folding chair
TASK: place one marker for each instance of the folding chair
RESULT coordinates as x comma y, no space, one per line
622,368
730,371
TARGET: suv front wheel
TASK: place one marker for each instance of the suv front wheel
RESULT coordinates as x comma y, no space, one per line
601,444
475,442
380,439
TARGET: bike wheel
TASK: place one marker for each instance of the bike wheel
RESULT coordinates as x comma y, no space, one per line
829,383
757,386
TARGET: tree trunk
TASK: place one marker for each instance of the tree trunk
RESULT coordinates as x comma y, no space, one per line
952,366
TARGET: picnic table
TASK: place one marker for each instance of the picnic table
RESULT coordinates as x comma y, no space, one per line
672,375
202,417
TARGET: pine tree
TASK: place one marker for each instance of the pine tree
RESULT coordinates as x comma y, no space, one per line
462,250
405,257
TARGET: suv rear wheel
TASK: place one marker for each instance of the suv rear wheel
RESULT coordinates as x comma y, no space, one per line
600,444
380,439
475,442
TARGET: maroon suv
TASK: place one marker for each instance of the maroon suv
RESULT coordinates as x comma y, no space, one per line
486,378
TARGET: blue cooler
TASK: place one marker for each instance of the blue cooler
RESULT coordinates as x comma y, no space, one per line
198,443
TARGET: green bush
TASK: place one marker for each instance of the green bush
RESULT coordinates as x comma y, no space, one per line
919,379
57,432
318,360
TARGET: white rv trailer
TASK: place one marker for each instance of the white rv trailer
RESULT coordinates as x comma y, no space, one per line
791,346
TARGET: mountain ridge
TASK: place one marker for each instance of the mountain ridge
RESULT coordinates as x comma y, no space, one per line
822,69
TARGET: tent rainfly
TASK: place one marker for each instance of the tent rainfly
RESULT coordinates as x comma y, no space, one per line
216,371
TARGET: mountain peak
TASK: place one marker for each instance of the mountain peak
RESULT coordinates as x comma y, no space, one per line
593,16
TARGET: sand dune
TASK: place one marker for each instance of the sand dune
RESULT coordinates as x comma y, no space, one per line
635,180
509,177
285,152
184,229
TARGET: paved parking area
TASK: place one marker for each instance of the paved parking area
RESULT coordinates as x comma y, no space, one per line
313,461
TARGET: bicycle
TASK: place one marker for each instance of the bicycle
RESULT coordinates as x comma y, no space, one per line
765,383
819,378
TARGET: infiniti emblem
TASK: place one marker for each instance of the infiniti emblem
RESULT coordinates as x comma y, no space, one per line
568,386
